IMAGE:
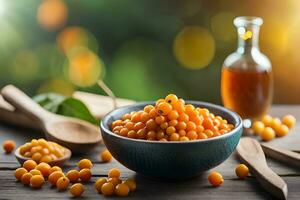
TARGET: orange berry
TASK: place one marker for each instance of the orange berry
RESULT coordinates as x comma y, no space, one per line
208,133
124,131
25,179
85,175
62,183
199,129
174,137
189,109
37,181
152,113
160,135
289,121
129,125
171,98
181,126
173,122
20,172
114,181
159,101
145,116
208,123
268,134
131,184
202,136
184,138
85,163
54,177
151,125
173,115
73,175
170,130
192,135
190,126
35,172
107,189
77,189
122,190
215,179
181,133
114,173
136,117
275,124
8,146
266,120
178,106
283,130
54,169
44,168
242,171
98,184
258,127
138,126
164,108
148,108
141,134
106,156
151,135
183,117
204,112
160,119
164,125
29,165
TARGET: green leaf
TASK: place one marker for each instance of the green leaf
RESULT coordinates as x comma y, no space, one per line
75,108
67,106
49,101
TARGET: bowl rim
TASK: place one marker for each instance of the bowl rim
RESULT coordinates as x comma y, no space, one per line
232,132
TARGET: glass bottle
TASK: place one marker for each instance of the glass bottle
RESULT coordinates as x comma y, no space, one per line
246,79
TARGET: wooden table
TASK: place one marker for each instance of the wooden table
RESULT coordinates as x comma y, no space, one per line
197,188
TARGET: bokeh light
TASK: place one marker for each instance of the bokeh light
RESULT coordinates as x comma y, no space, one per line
194,47
24,66
84,67
52,14
57,85
72,37
222,27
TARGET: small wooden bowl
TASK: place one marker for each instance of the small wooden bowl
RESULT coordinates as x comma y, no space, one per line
57,162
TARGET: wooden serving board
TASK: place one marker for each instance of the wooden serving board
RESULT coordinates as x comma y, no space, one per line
99,106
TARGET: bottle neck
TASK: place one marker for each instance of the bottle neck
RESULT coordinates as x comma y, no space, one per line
248,38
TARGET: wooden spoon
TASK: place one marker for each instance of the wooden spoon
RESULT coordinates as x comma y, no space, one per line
283,155
77,135
251,153
56,162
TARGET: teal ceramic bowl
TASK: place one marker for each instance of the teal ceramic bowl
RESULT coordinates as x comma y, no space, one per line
171,160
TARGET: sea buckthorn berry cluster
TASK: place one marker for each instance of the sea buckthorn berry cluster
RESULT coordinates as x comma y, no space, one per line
8,146
171,119
41,150
269,128
113,185
34,174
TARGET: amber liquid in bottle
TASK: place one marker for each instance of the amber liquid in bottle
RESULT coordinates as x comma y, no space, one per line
246,80
249,93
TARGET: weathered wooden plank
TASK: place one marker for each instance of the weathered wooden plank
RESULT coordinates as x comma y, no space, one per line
148,189
197,188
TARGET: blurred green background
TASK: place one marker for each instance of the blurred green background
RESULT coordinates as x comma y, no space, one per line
136,45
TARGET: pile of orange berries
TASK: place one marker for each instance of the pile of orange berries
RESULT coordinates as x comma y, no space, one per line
34,174
41,150
171,120
268,127
113,185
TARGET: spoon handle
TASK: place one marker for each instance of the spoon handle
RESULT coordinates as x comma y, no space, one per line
286,156
25,104
251,153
